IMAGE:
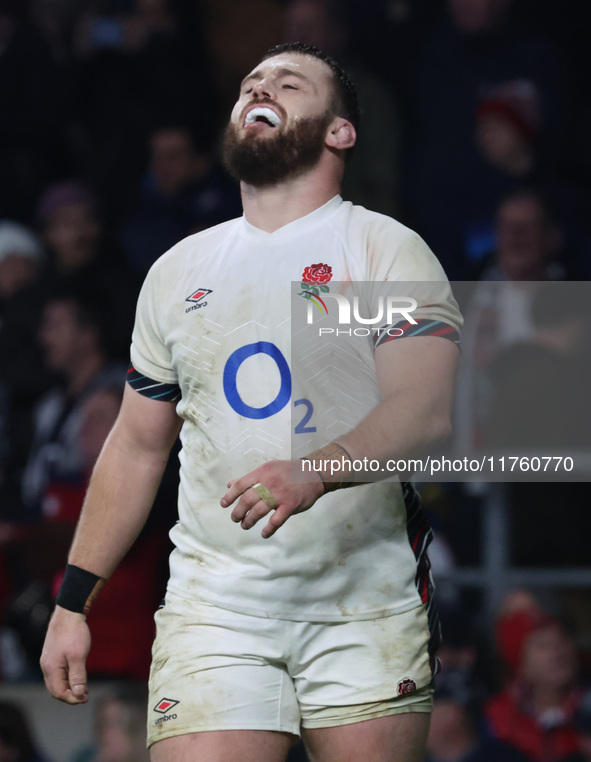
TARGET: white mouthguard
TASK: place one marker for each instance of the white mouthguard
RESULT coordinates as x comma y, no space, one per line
267,113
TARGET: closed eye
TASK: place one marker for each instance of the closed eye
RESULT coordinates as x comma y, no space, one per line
290,87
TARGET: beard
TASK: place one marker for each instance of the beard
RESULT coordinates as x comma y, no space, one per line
264,161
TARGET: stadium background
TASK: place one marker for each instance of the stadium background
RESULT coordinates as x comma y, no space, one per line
476,123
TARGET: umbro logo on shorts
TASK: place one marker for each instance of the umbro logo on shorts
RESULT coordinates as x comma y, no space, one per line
164,705
197,299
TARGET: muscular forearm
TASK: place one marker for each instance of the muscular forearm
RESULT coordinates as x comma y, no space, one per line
414,415
392,432
119,499
121,493
396,430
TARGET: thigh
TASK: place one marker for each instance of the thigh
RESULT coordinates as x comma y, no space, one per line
215,670
223,746
395,738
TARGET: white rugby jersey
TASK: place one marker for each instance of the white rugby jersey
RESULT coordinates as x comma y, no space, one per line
213,318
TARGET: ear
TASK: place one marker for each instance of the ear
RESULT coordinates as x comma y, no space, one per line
341,134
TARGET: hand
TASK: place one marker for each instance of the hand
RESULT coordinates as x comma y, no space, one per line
291,497
63,659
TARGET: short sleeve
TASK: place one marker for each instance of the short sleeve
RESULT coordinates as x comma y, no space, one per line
403,264
149,352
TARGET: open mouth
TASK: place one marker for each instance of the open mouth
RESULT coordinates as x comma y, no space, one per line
262,115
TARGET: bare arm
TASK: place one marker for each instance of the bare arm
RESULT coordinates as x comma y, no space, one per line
120,496
124,482
416,377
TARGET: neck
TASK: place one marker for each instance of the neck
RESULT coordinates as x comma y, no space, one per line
270,208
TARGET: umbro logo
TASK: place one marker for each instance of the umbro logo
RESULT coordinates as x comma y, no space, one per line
164,706
197,298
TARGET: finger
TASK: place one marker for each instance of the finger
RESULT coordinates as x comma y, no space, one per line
56,682
235,488
58,686
70,698
246,503
77,677
276,520
256,513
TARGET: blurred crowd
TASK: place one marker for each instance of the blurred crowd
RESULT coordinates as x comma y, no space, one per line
475,132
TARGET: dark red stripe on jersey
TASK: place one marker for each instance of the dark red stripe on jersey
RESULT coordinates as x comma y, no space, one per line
423,327
443,331
419,537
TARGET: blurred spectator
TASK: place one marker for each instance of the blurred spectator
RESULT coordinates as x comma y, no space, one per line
129,600
519,615
535,712
68,216
31,105
54,21
498,312
372,175
139,62
508,120
21,255
120,726
481,47
568,31
539,403
582,723
455,733
74,340
21,259
507,130
527,374
184,191
71,226
16,740
506,127
528,249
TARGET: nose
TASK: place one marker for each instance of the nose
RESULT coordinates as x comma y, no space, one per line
263,89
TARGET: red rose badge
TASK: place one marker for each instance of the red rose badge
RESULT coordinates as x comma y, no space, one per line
314,279
319,273
406,686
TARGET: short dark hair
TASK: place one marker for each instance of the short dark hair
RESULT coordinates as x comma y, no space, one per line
346,100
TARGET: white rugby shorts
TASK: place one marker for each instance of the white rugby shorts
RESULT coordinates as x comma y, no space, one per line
214,669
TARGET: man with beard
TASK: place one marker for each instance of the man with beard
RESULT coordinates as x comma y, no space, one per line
325,626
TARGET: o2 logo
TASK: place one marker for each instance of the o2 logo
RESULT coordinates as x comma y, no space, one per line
283,395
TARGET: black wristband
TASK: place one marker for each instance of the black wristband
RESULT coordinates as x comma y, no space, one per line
78,590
